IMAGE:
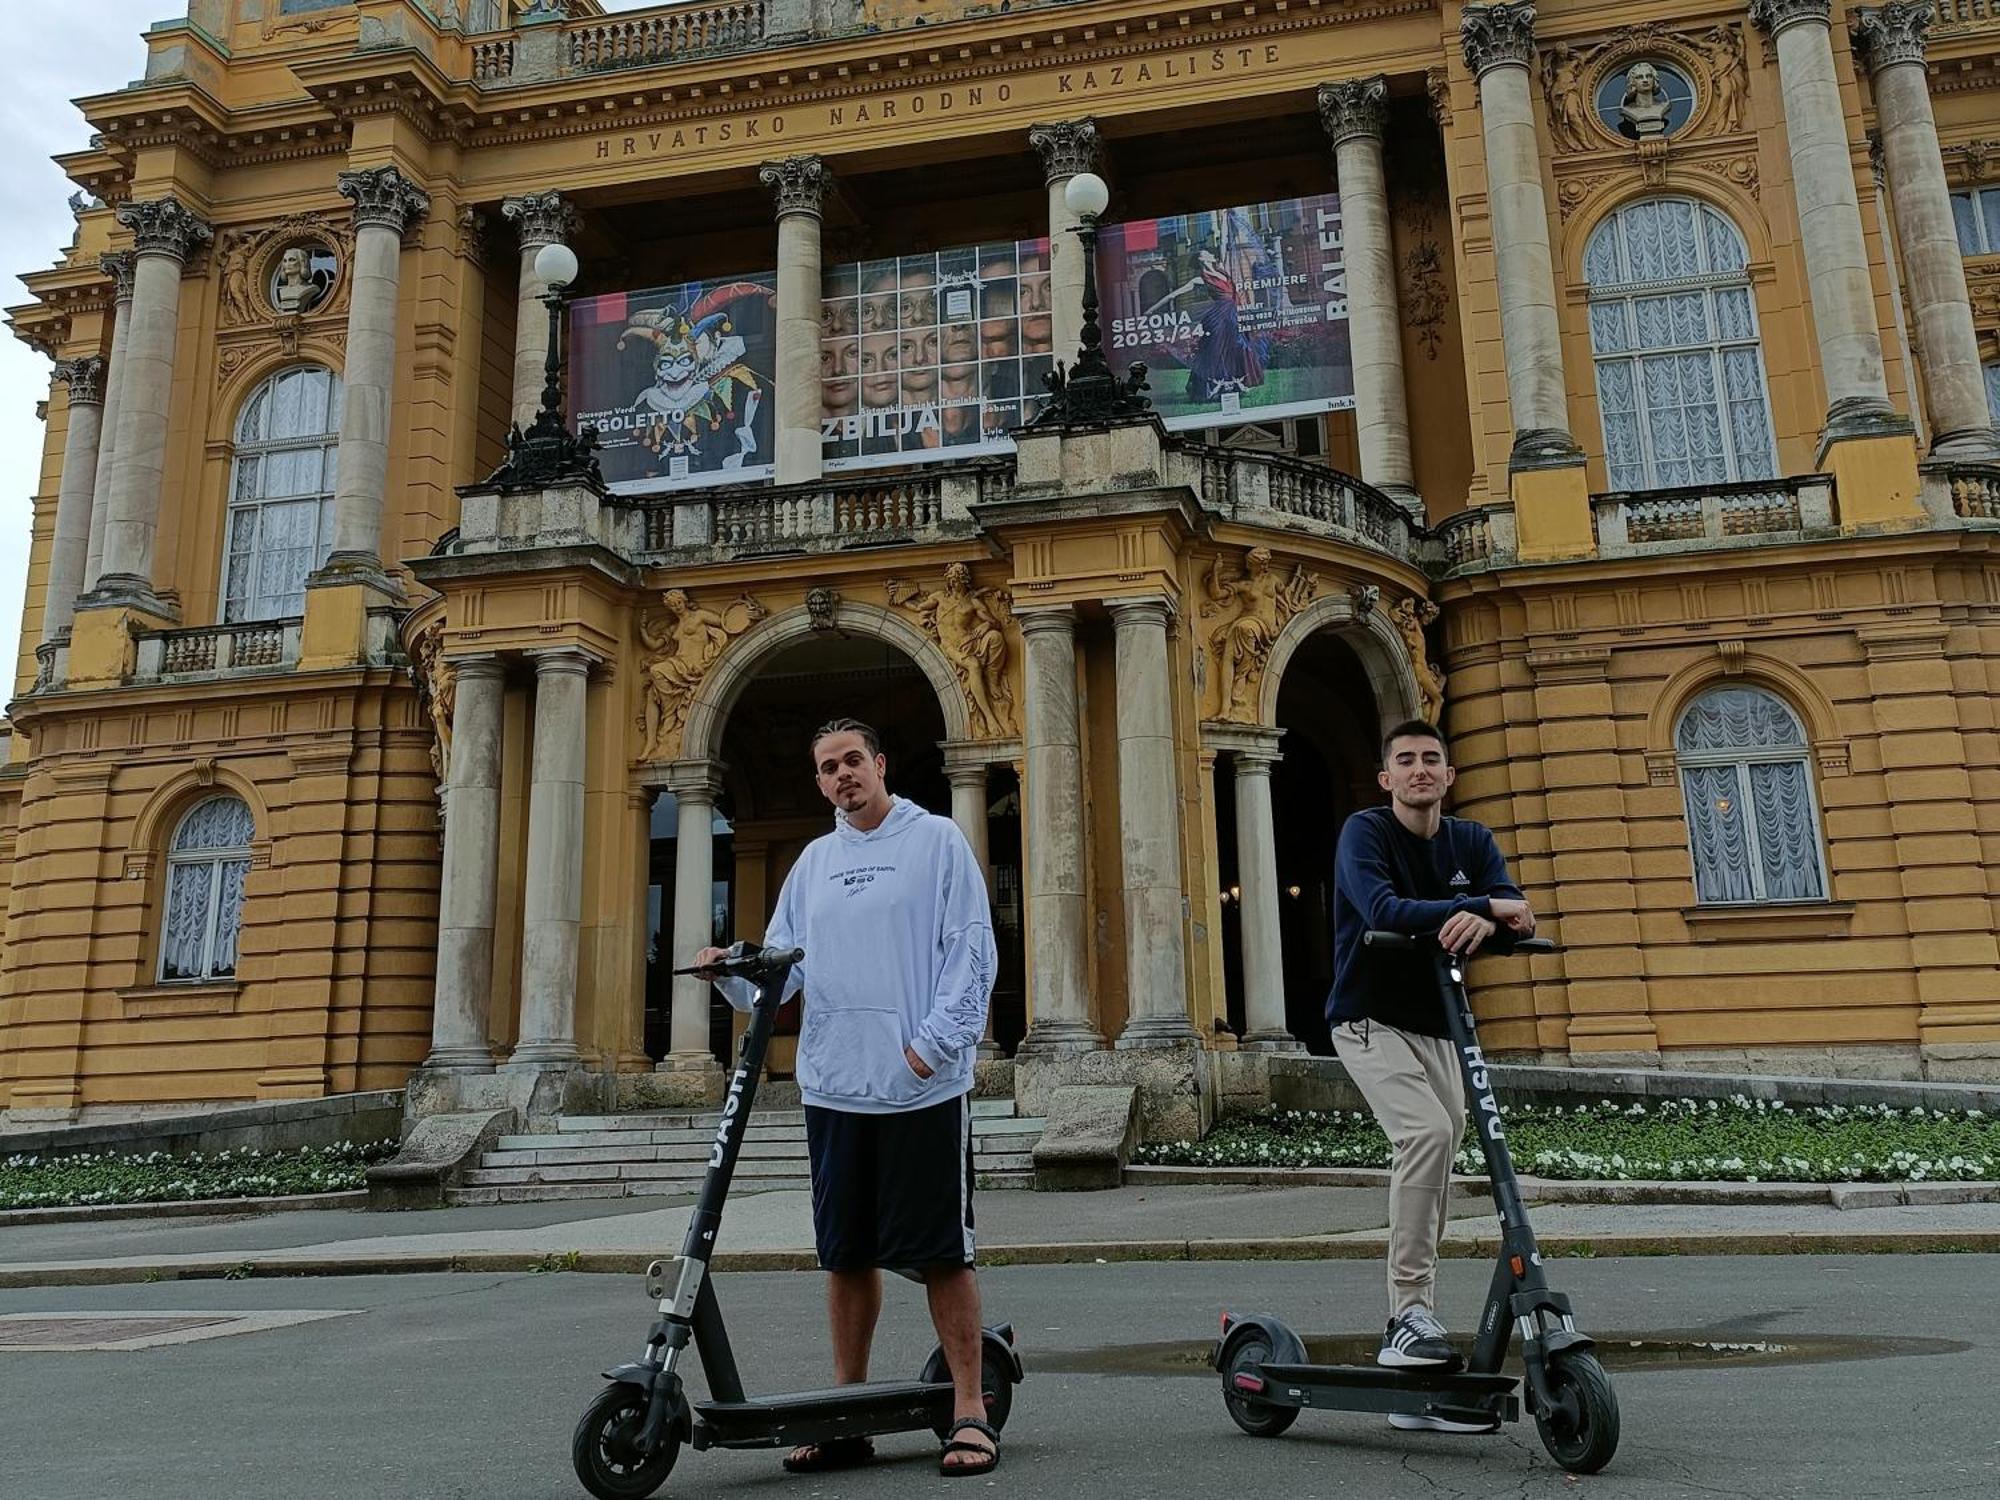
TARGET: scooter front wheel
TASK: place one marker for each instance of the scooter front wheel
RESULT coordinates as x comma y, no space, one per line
1581,1430
605,1448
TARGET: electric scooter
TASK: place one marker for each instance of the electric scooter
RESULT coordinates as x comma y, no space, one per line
627,1441
1267,1381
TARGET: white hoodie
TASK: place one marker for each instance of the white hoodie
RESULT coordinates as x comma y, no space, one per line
898,938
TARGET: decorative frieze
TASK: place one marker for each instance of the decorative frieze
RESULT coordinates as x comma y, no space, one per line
1068,147
384,196
541,218
1355,107
798,184
1774,16
165,226
85,379
1497,36
1889,34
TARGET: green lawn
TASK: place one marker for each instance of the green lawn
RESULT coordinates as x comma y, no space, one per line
85,1178
1738,1141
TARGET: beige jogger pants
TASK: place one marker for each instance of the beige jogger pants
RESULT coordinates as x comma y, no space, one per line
1413,1085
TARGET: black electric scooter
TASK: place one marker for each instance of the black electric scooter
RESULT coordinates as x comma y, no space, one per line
1267,1382
627,1440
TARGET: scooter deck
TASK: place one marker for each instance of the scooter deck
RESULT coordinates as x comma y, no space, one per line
1387,1389
816,1416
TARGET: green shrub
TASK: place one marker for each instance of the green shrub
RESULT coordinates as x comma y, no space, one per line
1740,1140
85,1178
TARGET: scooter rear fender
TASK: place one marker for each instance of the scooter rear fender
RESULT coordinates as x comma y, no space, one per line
1286,1347
995,1341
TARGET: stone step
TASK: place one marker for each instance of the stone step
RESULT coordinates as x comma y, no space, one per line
983,1110
543,1153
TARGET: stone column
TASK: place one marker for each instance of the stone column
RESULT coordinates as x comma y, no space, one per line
544,219
695,785
1499,42
1890,40
1052,789
1149,829
1257,874
386,205
467,897
85,379
798,184
1843,296
165,234
1355,118
552,904
119,266
1068,149
967,775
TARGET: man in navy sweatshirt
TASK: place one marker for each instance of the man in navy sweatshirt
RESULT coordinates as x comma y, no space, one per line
1407,868
892,913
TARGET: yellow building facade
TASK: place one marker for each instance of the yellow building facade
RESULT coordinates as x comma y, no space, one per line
349,752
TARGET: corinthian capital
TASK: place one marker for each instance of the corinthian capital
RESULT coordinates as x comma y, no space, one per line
1773,16
165,226
85,379
1497,36
1068,147
1889,34
384,196
798,184
1356,107
119,265
543,218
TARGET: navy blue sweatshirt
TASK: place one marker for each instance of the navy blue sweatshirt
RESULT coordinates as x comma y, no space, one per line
1385,878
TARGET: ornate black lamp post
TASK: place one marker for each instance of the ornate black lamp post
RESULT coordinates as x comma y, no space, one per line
548,452
1088,392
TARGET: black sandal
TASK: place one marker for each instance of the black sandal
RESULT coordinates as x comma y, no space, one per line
954,1445
834,1453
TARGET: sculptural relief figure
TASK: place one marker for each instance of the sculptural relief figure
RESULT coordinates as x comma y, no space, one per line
238,305
1257,603
1562,81
1645,106
441,693
684,641
970,627
1411,615
1732,77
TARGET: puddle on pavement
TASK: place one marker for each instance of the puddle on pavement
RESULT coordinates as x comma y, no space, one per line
1685,1349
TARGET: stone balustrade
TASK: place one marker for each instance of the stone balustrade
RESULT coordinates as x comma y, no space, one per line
1649,521
856,510
1963,492
493,59
1276,490
1964,15
635,39
219,650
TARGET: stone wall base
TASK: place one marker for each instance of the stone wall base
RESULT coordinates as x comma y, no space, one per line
538,1099
1962,1062
1176,1084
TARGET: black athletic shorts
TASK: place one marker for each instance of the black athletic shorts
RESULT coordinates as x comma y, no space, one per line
892,1190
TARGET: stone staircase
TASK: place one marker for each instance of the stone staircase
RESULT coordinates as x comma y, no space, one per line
654,1155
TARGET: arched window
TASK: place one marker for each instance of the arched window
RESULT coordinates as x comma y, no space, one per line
281,494
1752,822
207,863
1673,331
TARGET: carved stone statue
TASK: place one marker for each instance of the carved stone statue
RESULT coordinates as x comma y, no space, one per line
970,627
1645,106
1258,604
1732,77
440,686
238,304
1562,82
1411,615
684,642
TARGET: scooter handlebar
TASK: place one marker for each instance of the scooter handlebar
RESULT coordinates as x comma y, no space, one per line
748,961
1403,940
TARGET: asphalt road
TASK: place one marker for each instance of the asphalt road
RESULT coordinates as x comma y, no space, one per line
455,1387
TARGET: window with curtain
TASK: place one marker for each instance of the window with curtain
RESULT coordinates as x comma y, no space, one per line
1753,824
281,494
1673,332
1977,214
208,862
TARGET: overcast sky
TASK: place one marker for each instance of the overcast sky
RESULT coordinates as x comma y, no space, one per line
77,49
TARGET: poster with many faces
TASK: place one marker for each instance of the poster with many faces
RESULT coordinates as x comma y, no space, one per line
933,355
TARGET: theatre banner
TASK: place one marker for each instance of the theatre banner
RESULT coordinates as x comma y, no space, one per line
678,381
1237,313
933,355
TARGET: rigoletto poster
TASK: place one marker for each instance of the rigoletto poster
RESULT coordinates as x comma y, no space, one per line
1238,314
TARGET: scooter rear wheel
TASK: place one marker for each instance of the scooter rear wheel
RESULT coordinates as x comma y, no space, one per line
996,1384
604,1449
1258,1418
1581,1431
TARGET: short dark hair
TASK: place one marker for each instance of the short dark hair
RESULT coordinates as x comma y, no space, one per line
847,726
1412,729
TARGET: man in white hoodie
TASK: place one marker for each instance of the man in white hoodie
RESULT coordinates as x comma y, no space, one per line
892,913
